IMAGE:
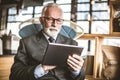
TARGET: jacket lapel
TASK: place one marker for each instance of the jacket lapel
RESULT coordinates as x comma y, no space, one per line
60,39
42,40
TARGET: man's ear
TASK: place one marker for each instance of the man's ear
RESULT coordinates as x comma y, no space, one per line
41,20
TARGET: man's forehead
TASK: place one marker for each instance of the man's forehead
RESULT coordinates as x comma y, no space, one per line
50,9
54,12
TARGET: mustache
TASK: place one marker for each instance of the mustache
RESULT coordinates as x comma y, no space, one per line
51,28
51,31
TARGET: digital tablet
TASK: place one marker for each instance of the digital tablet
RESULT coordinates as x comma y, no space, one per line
57,54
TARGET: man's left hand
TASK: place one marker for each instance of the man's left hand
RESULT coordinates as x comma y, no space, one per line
75,62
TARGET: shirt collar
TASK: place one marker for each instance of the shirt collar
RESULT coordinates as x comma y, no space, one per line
47,37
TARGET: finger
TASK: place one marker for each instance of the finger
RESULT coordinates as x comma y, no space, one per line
76,59
74,65
79,58
48,67
73,60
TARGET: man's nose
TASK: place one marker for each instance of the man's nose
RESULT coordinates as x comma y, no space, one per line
54,23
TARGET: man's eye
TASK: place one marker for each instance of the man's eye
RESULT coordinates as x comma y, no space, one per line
49,19
59,20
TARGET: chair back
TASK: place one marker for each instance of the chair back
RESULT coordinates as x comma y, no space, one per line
32,26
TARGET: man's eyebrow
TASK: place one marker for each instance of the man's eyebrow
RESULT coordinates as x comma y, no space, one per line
54,18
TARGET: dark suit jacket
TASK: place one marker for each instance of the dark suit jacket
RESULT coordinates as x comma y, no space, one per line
30,54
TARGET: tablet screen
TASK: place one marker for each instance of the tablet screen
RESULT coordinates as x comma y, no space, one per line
57,54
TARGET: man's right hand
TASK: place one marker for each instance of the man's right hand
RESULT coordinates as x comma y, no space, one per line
48,67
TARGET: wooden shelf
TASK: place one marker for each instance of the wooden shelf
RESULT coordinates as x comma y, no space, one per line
92,36
90,77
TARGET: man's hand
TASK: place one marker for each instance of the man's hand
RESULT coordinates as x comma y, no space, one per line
75,62
47,67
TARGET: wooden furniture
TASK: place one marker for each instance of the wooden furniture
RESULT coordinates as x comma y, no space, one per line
111,62
114,16
6,62
99,38
90,77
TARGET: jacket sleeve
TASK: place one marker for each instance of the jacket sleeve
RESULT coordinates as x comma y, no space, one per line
20,69
81,76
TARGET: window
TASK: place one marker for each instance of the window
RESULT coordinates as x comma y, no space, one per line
100,16
14,20
29,12
93,18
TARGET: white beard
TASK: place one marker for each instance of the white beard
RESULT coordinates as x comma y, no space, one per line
51,31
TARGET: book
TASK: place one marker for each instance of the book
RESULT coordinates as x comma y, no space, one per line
57,54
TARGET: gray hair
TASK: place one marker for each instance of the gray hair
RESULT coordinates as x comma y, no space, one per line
48,6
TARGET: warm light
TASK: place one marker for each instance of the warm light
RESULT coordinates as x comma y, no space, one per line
89,17
92,2
108,9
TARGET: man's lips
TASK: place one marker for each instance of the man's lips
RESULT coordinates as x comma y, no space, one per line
53,29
